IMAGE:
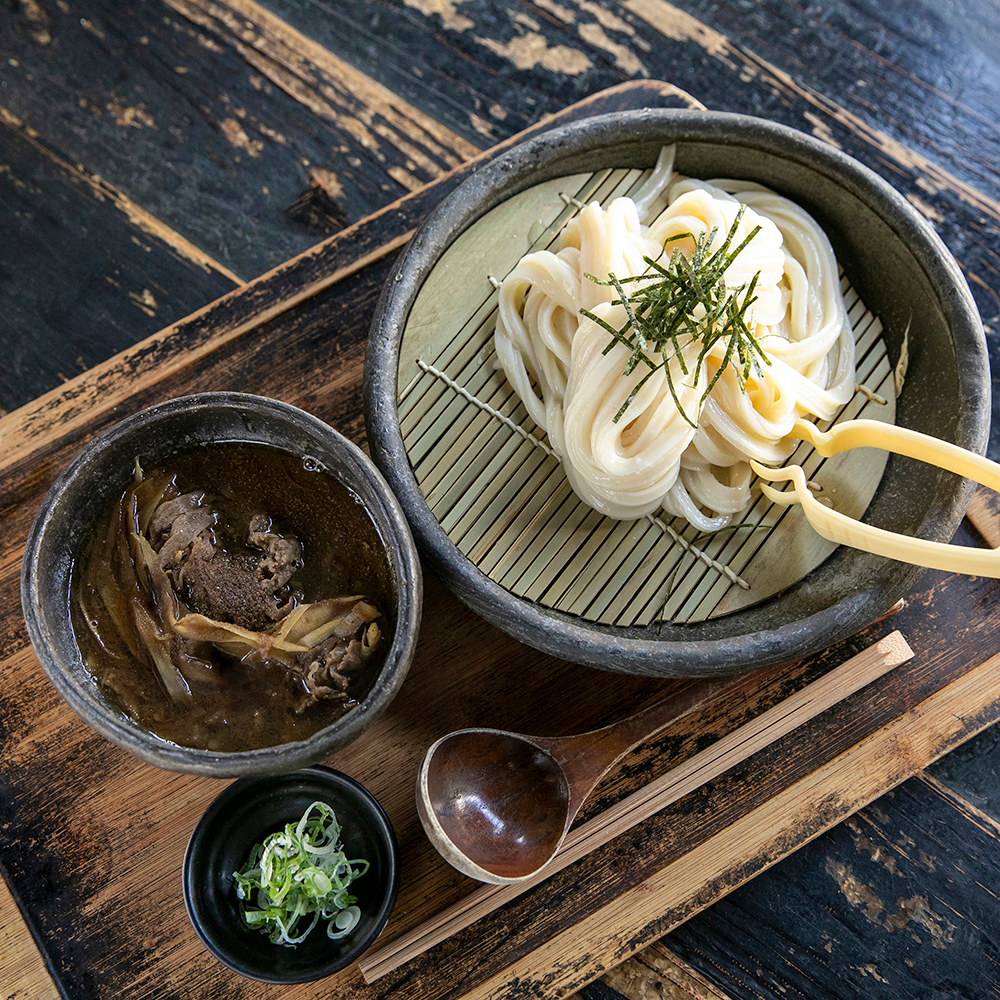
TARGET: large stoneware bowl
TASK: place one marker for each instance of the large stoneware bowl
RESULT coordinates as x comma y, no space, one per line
97,477
521,556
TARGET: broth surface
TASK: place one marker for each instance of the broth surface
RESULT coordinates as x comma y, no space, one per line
234,598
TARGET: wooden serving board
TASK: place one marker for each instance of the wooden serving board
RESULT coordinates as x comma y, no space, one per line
91,840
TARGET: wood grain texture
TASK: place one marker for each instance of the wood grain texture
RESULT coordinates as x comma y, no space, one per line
724,754
23,975
902,880
138,187
908,87
885,86
655,974
215,117
971,771
984,515
881,64
104,387
128,275
80,291
141,817
325,370
484,70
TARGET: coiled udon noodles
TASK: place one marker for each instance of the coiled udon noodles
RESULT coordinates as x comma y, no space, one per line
571,374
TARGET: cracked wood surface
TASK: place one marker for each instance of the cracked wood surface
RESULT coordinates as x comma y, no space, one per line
155,156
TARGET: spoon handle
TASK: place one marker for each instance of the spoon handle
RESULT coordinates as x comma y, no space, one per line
587,757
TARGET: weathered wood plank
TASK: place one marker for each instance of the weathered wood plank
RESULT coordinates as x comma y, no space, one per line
879,66
23,975
86,271
656,973
972,771
689,856
138,126
320,371
880,73
317,367
453,50
984,514
99,391
898,901
433,54
508,67
215,117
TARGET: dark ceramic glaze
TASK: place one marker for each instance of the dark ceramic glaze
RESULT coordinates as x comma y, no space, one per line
903,273
242,816
103,469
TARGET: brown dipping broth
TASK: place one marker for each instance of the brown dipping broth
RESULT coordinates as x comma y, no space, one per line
250,706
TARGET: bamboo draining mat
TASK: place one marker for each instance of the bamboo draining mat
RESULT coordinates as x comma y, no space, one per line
500,494
91,841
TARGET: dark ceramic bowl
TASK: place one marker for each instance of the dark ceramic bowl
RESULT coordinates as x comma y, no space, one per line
243,815
99,474
902,272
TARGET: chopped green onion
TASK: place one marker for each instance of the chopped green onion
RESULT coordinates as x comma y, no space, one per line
663,310
299,876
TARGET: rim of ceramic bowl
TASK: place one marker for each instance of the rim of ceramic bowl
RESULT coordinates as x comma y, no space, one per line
711,647
212,852
46,575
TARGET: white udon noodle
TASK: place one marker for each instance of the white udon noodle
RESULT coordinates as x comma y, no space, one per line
652,458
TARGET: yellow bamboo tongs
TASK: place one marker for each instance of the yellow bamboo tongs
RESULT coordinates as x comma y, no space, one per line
844,530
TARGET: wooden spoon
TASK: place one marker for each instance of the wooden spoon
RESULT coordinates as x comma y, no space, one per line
498,805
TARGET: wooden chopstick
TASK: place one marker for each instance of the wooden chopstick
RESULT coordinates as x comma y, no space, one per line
737,746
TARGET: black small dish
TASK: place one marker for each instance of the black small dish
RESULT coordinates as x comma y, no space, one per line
243,815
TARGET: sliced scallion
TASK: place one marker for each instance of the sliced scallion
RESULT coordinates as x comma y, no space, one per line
299,876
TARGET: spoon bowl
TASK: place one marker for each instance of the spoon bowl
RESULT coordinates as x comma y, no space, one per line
498,795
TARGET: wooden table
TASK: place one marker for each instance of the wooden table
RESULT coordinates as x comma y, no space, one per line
157,157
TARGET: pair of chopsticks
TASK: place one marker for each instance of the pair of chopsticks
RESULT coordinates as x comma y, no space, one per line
726,753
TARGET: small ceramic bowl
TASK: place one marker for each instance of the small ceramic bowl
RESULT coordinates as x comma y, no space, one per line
243,815
486,514
97,477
